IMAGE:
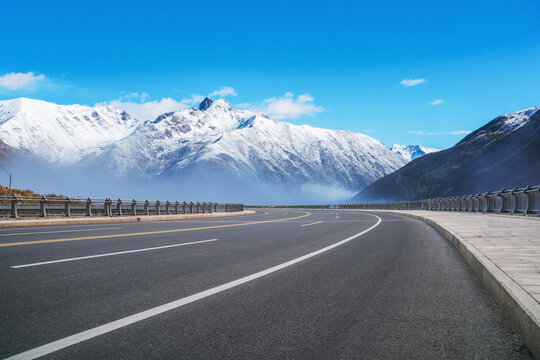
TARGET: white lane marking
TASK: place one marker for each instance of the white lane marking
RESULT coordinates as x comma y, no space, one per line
313,223
110,254
337,216
59,231
128,320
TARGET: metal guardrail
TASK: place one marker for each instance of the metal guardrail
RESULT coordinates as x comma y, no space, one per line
524,200
25,206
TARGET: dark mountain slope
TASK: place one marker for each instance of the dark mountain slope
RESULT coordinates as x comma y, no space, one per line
502,154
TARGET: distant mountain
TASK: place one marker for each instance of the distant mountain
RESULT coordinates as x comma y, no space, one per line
216,138
411,152
61,133
502,154
209,146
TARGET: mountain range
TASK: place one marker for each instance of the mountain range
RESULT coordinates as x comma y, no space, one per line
504,153
213,144
224,153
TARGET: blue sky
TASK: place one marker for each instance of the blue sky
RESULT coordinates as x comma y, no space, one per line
332,64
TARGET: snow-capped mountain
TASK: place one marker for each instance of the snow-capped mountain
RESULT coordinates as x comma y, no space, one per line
61,133
504,153
213,147
218,140
411,152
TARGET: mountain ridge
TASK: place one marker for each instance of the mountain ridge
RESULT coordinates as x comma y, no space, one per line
211,141
504,153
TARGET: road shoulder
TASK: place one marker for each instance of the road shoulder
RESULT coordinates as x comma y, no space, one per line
116,219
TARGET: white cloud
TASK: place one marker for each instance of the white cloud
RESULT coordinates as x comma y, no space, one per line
423,132
133,96
136,104
149,110
286,107
14,81
223,91
412,82
195,99
436,102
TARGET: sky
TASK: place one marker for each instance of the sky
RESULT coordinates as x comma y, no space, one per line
407,72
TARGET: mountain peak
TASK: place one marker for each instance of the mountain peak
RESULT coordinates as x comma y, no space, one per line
205,104
411,152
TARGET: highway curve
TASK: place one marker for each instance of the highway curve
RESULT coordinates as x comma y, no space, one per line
278,284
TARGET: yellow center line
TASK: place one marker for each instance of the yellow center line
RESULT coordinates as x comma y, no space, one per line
149,232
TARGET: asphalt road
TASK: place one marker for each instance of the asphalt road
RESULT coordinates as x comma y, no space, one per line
279,284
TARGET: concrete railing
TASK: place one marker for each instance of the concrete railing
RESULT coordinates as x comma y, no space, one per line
24,206
524,200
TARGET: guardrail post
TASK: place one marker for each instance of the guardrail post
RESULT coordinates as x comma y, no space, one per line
108,211
146,209
227,207
67,210
158,209
534,200
510,201
176,207
476,203
210,207
167,209
14,211
43,206
134,207
88,207
119,207
191,207
215,207
184,204
483,202
491,201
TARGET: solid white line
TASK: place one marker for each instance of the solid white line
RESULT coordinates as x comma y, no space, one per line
59,231
110,254
120,323
317,222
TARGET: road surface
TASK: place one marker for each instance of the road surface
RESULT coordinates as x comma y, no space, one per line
277,284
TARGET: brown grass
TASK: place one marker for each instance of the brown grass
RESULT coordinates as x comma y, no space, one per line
5,191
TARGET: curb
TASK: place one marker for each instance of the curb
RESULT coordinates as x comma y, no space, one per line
521,308
100,220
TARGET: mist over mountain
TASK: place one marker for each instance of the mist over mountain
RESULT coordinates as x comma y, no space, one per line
213,151
502,154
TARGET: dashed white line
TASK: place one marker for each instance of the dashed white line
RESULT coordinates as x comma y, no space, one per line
110,254
120,323
313,223
59,231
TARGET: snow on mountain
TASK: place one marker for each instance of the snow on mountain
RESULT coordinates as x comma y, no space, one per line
61,133
411,152
216,138
505,124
